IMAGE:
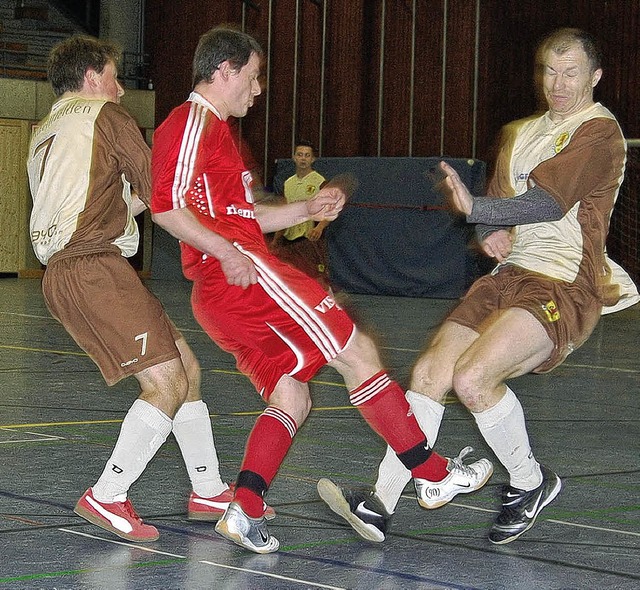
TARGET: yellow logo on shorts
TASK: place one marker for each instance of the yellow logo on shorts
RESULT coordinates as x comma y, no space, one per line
560,142
551,309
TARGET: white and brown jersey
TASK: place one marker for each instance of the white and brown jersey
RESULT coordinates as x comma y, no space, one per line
580,162
86,159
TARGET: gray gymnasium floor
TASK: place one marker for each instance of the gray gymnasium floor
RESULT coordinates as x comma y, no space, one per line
59,421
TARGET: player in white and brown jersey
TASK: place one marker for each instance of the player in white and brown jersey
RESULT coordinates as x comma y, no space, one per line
546,222
89,173
280,324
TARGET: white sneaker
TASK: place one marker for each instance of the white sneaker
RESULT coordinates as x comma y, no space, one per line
462,479
251,533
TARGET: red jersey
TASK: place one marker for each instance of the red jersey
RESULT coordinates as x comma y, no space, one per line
196,163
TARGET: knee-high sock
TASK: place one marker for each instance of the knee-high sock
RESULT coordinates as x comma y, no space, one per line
267,446
144,430
393,476
192,429
383,405
504,429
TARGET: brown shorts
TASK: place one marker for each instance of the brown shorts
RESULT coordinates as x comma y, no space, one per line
567,311
111,315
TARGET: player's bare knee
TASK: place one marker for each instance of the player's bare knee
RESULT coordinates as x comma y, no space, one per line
431,377
471,383
165,386
292,397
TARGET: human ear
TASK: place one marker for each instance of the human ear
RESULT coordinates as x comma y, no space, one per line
596,77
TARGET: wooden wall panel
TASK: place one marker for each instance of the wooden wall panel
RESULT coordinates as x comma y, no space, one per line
394,129
344,119
460,76
427,111
16,254
346,116
171,36
11,183
309,103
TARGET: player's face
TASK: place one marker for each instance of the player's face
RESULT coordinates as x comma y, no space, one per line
244,86
568,82
303,157
107,85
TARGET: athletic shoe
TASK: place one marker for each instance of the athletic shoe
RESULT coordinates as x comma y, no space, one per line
520,509
362,509
211,509
250,533
462,479
117,517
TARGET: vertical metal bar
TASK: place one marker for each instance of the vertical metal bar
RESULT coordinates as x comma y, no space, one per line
476,75
413,75
294,89
444,74
322,77
381,75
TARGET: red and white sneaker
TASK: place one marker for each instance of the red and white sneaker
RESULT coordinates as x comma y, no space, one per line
117,517
211,509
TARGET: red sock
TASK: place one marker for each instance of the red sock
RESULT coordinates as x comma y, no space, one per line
383,405
267,446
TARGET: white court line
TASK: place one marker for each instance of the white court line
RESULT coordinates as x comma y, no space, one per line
563,522
203,561
28,315
596,528
41,437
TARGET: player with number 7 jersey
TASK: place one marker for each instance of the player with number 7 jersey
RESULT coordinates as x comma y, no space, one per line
89,173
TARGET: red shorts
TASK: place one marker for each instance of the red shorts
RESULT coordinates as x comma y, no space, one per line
286,324
567,311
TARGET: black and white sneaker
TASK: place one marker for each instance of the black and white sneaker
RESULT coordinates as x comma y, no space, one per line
362,509
520,508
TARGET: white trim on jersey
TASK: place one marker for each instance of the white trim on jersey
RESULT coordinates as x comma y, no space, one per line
207,192
188,154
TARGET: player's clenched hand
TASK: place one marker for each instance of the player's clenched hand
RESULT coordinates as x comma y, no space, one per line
455,189
326,204
498,245
238,269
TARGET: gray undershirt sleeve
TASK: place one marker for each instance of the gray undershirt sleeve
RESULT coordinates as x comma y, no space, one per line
533,206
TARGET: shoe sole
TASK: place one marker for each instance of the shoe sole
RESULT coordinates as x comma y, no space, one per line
99,522
552,496
442,502
242,541
332,496
204,516
213,517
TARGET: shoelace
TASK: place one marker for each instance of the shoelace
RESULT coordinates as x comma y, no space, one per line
512,508
457,464
128,508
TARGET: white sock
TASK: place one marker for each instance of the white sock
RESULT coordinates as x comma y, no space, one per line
144,430
393,476
192,429
504,429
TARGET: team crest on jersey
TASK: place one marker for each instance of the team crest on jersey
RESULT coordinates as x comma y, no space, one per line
560,142
311,190
551,310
